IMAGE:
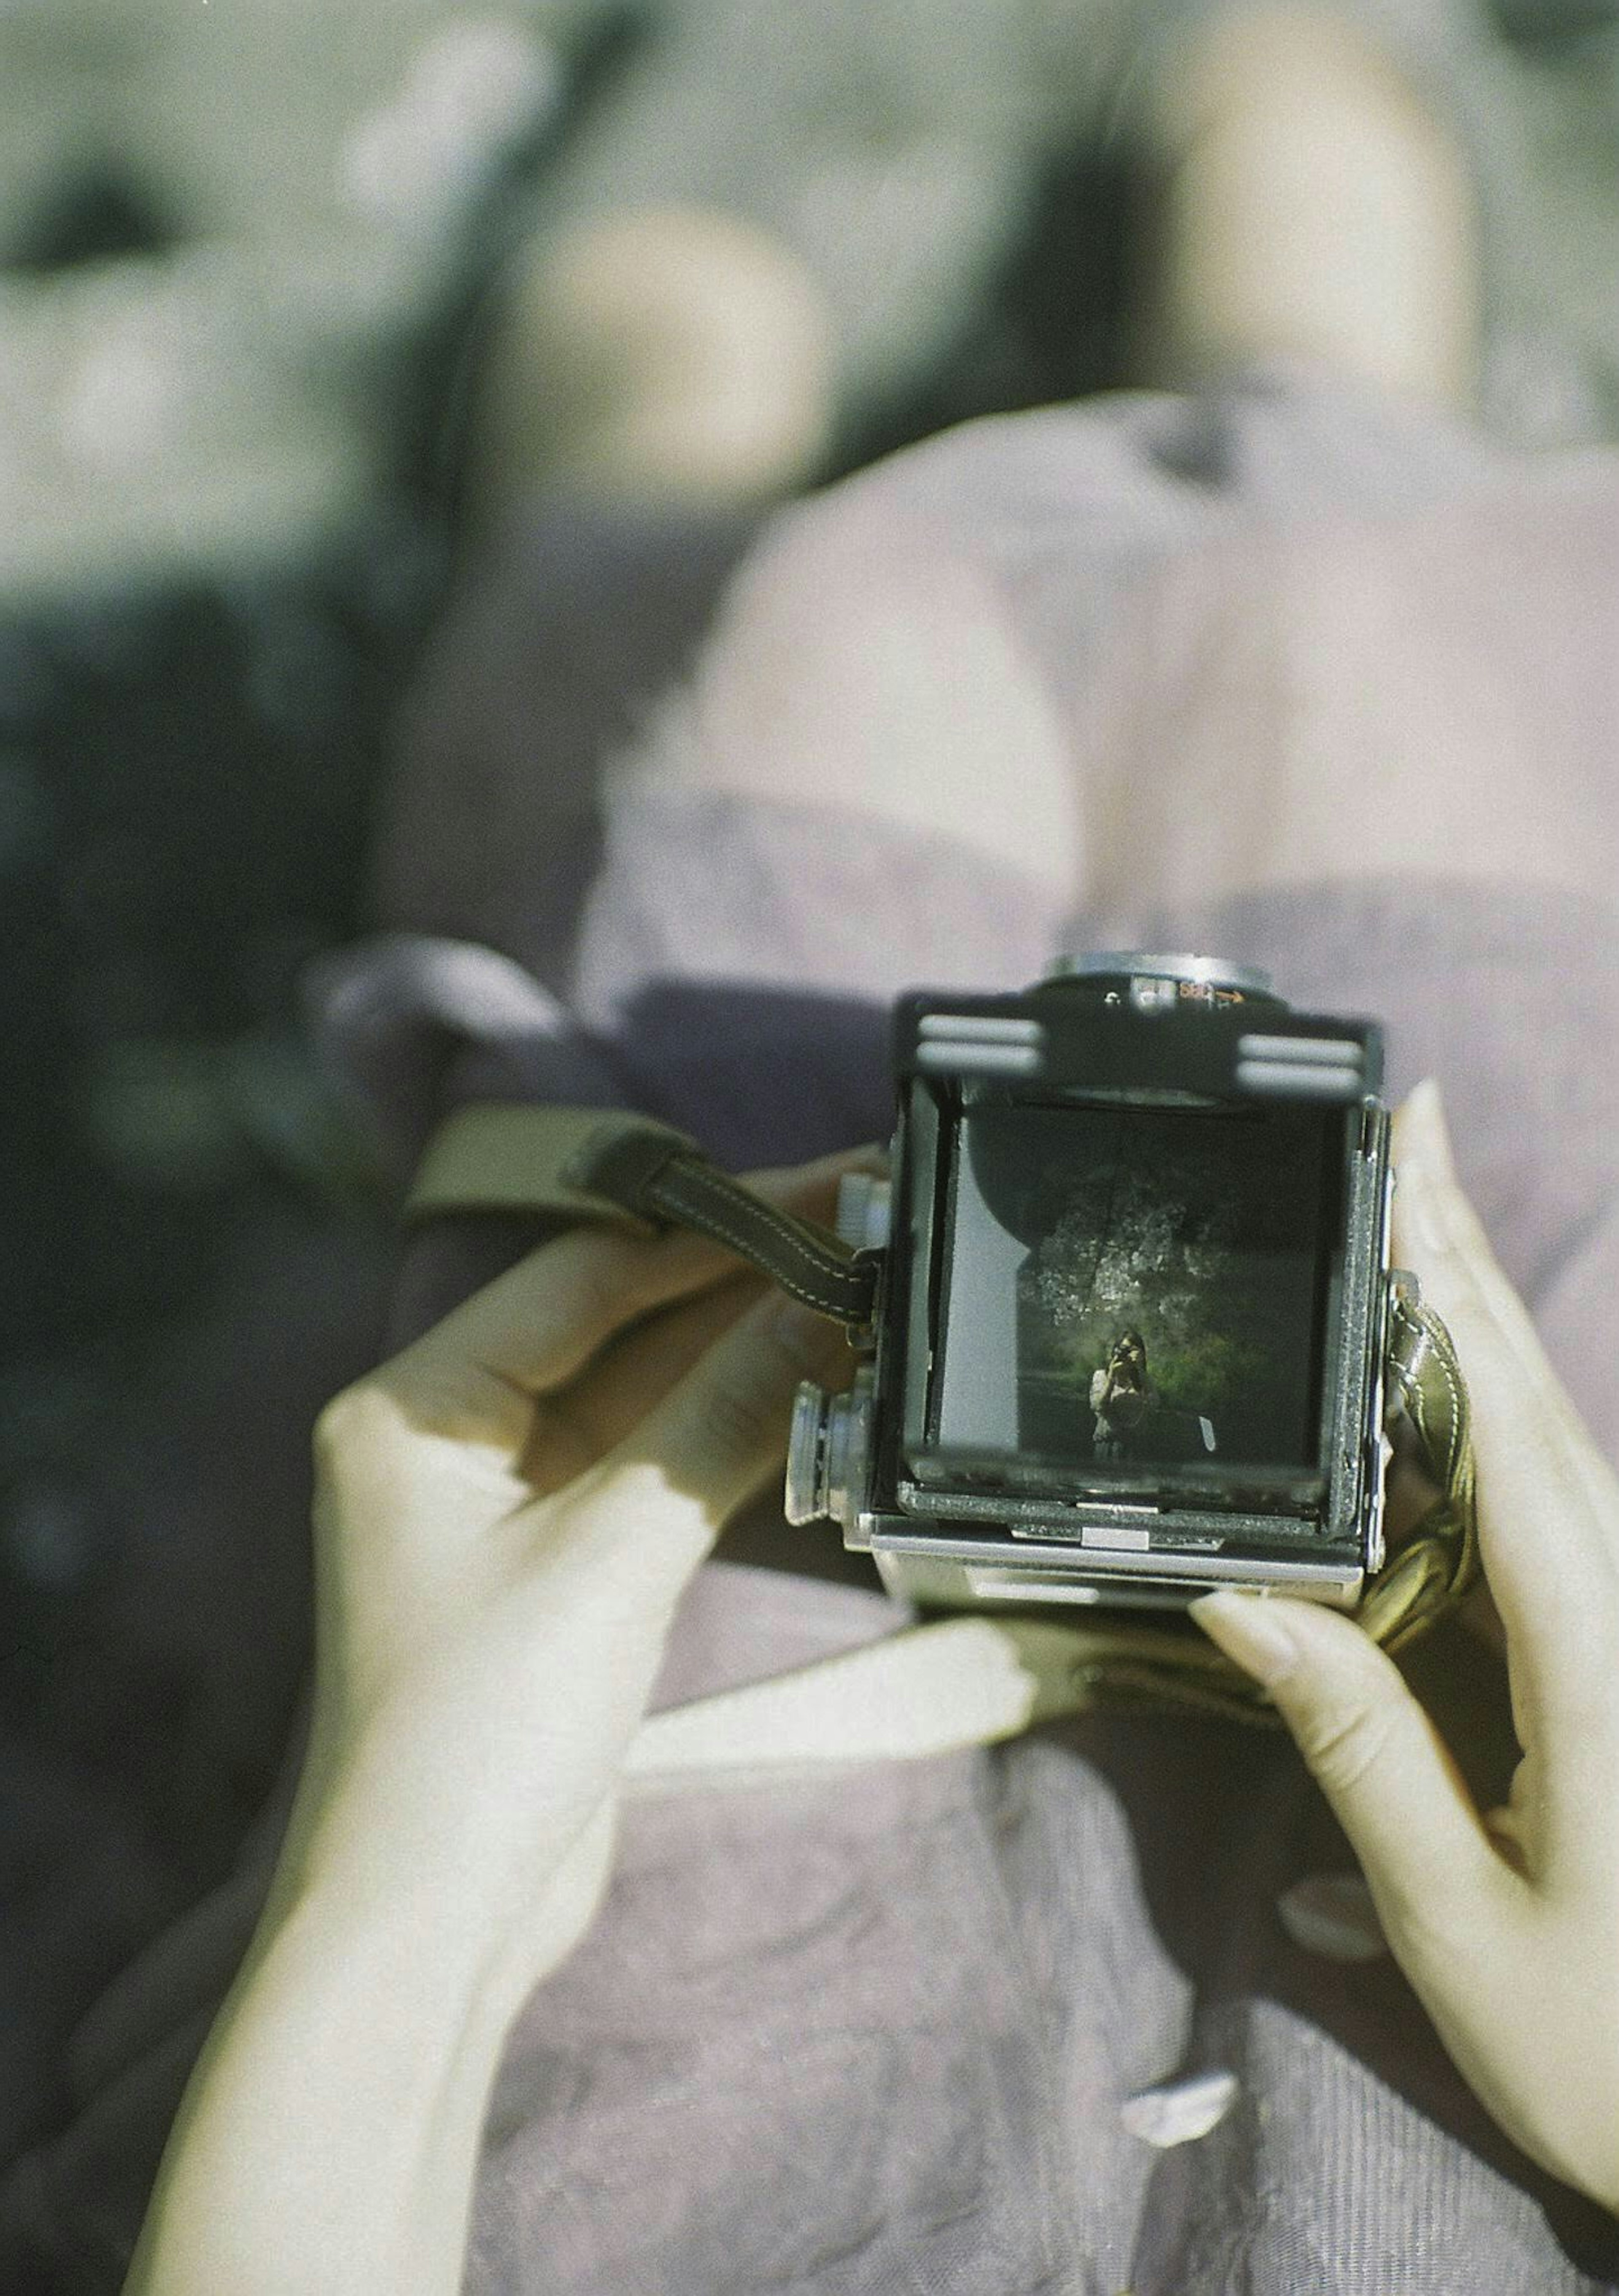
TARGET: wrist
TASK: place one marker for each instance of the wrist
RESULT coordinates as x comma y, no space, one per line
327,2140
419,1933
490,1910
431,1931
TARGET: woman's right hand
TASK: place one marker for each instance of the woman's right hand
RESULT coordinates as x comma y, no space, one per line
1507,1923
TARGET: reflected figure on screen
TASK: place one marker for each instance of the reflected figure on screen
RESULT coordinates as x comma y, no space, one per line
1124,1399
1120,1396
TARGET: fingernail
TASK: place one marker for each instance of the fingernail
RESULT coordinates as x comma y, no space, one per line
1249,1632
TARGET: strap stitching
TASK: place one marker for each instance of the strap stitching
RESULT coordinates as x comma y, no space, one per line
1449,1374
753,1207
848,1304
811,1281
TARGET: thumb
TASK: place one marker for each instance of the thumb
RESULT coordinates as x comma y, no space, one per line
1385,1771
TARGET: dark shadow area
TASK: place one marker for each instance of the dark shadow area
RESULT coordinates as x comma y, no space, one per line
760,1076
1054,321
184,786
553,646
101,213
432,416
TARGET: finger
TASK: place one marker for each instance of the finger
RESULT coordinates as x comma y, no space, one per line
639,1365
576,1426
812,1188
534,1328
658,1501
1546,1505
1382,1765
1423,1153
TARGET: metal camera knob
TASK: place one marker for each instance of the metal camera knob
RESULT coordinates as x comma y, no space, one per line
1155,982
826,1453
863,1211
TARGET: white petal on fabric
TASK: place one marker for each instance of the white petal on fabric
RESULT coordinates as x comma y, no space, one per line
1332,1914
1181,2111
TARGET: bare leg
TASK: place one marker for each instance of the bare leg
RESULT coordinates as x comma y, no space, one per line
660,357
673,362
1309,206
1418,696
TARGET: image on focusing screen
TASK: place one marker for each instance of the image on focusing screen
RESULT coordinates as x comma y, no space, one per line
1136,1287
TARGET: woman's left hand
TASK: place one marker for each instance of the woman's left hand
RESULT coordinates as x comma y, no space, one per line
1504,1920
506,1514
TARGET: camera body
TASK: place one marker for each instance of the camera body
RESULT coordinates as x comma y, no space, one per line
1132,1299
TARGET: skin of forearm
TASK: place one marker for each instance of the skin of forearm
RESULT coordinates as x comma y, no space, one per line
327,2142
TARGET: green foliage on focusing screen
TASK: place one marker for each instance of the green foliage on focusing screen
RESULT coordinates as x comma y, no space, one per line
1188,1238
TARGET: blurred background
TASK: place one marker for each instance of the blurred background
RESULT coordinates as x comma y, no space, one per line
301,308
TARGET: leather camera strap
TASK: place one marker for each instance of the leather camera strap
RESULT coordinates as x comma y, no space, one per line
605,1164
625,1170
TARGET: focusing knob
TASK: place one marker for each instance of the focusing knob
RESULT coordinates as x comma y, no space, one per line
827,1453
805,1497
863,1211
